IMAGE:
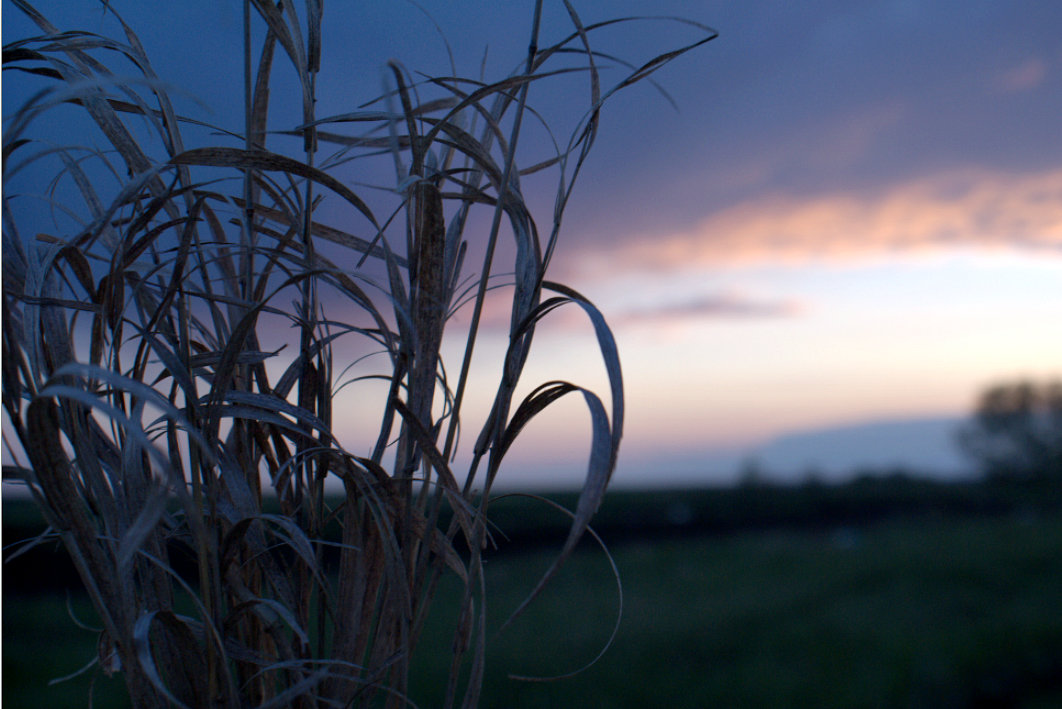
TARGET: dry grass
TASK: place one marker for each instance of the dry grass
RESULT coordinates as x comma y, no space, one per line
149,409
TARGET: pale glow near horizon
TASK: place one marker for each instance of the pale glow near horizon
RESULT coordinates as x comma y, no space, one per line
896,339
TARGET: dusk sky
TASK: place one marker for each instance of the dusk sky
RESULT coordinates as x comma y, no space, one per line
854,215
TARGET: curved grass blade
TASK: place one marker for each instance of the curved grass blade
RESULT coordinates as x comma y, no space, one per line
619,597
265,160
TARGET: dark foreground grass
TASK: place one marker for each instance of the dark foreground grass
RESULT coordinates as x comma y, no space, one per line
947,612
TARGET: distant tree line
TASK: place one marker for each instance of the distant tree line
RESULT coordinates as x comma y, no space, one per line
1016,432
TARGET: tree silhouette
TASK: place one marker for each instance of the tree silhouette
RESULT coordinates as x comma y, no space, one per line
1016,431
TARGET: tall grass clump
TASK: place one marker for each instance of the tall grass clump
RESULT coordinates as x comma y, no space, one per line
179,329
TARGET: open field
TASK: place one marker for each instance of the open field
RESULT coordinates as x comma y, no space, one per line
921,611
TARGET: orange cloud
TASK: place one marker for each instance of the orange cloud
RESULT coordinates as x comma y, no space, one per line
965,210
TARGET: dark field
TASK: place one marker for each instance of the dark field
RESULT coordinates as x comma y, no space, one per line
944,605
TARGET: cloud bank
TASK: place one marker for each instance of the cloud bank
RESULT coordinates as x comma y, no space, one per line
956,211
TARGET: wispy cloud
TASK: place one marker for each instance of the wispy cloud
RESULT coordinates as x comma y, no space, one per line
730,304
965,210
1024,77
720,305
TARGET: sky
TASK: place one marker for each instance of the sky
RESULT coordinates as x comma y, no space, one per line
852,214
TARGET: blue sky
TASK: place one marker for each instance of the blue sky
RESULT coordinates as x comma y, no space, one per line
854,215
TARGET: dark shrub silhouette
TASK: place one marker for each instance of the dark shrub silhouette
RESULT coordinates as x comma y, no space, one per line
1016,431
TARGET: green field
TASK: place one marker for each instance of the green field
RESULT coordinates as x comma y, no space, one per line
946,611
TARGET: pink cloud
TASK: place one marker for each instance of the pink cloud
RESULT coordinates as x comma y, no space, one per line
1023,77
967,210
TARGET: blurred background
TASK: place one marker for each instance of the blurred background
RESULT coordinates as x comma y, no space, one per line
830,246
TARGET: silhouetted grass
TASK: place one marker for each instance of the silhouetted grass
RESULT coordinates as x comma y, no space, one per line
174,309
